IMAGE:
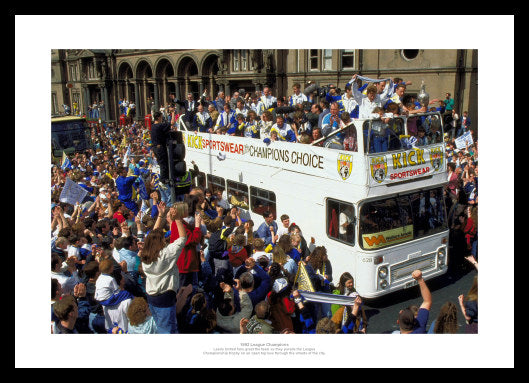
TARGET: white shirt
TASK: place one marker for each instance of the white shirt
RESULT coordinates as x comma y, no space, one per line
106,286
264,130
244,112
344,221
281,230
349,103
366,106
268,101
259,254
162,274
73,251
298,99
67,283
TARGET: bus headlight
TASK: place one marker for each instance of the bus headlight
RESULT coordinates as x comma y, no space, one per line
441,257
383,272
383,284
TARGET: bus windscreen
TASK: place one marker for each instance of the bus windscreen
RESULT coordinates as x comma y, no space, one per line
403,218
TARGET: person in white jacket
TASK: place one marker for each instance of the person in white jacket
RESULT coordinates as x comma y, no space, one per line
371,99
158,261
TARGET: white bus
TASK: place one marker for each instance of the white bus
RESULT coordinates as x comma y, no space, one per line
379,215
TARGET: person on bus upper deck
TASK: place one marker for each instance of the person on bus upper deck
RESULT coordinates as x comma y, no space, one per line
265,125
316,133
285,132
370,100
226,119
331,121
324,106
252,125
241,108
238,130
268,229
191,107
297,97
267,99
257,105
219,102
348,103
367,103
422,140
234,99
201,121
408,323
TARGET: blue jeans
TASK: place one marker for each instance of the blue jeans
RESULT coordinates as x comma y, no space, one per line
165,318
380,143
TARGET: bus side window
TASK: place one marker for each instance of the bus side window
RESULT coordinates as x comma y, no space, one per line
200,180
262,200
215,182
340,221
238,194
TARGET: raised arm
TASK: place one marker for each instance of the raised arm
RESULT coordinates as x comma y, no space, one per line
425,291
160,221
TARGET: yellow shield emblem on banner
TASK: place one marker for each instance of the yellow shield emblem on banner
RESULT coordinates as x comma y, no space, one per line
345,165
379,168
436,157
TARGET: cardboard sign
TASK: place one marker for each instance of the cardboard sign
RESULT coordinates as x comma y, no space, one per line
72,193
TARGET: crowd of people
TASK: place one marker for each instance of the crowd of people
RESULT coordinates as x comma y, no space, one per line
307,117
128,259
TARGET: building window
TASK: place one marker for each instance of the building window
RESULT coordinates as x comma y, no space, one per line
244,60
298,60
313,59
348,59
240,60
327,59
236,60
410,54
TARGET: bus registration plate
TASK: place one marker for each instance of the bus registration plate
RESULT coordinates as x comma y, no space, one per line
411,284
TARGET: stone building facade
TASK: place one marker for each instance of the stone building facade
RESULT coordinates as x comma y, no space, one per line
148,77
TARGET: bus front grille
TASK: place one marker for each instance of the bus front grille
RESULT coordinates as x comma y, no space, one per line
404,270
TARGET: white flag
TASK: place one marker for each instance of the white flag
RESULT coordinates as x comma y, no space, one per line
72,193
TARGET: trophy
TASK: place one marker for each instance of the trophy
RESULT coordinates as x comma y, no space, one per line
423,97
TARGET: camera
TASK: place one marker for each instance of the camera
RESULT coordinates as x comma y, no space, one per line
321,91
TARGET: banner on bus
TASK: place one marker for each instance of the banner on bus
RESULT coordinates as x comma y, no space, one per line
323,162
296,157
406,165
388,237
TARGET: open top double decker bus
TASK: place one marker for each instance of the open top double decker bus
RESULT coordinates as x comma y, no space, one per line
371,194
